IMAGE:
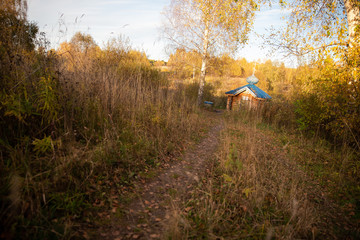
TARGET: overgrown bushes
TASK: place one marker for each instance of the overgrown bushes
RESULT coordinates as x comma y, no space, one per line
322,100
332,105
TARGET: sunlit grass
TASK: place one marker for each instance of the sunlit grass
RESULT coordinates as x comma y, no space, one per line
269,183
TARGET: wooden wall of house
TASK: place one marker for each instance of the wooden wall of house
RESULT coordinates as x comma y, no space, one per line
239,101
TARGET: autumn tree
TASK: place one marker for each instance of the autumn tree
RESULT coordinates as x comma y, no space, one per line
327,32
313,26
209,27
17,35
184,63
83,41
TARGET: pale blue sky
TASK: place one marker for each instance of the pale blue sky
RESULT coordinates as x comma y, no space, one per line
139,20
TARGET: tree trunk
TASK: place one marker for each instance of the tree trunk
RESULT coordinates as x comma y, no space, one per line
352,8
353,18
203,66
202,80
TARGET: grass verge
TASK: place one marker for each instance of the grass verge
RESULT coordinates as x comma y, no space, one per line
269,183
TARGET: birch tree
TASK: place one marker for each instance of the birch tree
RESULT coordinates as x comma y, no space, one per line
318,25
209,27
328,33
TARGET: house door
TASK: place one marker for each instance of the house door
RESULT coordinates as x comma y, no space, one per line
229,103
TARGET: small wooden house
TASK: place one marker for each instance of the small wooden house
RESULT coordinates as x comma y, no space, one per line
248,96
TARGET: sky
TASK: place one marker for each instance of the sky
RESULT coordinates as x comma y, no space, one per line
139,20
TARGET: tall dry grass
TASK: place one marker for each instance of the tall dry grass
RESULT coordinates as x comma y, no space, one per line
259,187
104,117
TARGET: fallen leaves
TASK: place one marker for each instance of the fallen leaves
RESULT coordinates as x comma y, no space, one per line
152,208
187,209
155,235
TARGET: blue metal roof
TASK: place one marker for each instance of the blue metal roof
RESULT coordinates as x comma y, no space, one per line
257,91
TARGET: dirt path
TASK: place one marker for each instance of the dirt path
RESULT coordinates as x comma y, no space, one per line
147,215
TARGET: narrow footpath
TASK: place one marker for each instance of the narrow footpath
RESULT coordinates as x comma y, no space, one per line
147,216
